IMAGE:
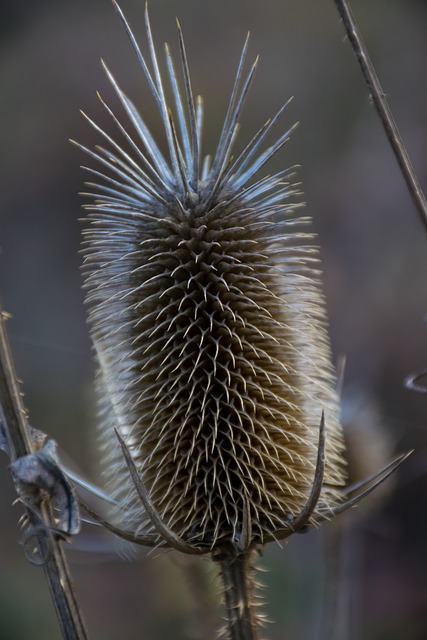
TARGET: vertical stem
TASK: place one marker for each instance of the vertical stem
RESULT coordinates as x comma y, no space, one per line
63,594
237,580
20,443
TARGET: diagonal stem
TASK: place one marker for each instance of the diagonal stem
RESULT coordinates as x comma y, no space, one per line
236,570
381,105
19,443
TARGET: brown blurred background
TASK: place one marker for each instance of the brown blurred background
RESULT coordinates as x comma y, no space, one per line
374,252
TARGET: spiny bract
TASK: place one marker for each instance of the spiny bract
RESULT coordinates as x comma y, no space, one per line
208,323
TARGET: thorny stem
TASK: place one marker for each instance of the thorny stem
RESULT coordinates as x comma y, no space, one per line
378,97
237,582
20,443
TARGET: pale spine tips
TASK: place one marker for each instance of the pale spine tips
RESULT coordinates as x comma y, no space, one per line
207,317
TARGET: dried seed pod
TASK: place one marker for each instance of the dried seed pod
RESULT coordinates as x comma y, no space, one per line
208,324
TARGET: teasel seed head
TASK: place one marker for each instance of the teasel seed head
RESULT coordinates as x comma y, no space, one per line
209,326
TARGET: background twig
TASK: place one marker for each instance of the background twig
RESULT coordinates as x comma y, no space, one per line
49,548
379,99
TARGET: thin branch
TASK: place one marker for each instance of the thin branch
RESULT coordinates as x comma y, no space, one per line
378,97
41,527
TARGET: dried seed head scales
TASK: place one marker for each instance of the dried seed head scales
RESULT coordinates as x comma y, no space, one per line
208,321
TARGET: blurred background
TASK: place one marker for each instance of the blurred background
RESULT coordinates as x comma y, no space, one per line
374,252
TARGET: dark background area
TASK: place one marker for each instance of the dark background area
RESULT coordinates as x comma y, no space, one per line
374,253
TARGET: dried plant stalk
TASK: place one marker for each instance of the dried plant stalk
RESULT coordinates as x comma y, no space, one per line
210,333
219,426
381,105
42,540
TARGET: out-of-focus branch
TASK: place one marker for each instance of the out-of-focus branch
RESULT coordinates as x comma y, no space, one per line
381,105
41,527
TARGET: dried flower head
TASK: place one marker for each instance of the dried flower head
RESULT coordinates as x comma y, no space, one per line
209,327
